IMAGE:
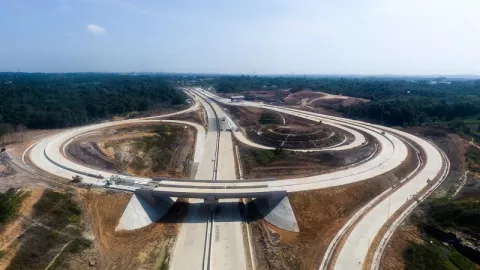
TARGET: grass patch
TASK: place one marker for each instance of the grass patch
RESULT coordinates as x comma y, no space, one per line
58,210
158,148
10,202
39,245
473,159
162,261
268,118
267,156
462,215
435,256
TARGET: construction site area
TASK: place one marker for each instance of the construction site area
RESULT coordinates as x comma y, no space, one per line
276,182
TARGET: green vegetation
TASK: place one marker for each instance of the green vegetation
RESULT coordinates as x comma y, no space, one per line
419,110
268,118
368,88
61,213
444,216
434,255
63,100
473,159
5,129
460,215
57,210
10,203
267,156
158,148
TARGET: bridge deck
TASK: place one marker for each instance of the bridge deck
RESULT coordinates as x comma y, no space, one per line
228,193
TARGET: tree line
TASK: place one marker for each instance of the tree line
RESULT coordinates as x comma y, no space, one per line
393,101
42,101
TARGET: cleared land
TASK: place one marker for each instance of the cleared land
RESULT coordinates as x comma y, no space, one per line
308,98
48,228
146,248
142,150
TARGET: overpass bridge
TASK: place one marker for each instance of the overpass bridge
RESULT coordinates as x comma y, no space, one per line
208,190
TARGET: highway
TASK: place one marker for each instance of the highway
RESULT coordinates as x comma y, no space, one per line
222,246
214,152
193,240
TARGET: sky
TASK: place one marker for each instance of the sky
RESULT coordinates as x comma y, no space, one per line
363,37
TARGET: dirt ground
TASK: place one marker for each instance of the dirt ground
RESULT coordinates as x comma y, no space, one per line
393,256
15,176
115,150
152,112
250,116
308,98
320,214
14,173
146,248
14,230
197,116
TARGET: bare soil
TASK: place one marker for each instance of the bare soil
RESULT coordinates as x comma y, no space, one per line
117,150
15,173
393,257
10,234
161,109
250,116
15,176
308,98
145,248
197,116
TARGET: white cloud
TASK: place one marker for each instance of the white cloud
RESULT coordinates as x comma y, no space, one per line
95,29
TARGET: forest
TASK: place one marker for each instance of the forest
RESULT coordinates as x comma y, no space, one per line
39,101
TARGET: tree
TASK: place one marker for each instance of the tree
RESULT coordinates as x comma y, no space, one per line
64,100
5,129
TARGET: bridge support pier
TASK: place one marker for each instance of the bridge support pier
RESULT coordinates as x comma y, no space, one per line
212,201
277,210
144,209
